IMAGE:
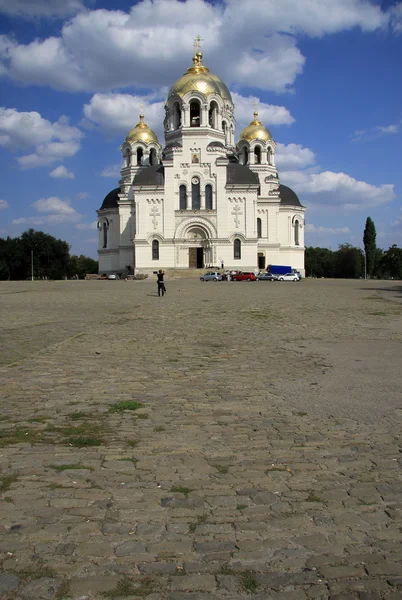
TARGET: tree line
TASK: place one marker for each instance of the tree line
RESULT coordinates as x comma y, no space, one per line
42,255
351,262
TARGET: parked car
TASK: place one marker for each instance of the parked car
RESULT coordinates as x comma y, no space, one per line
113,276
266,277
244,276
289,277
211,276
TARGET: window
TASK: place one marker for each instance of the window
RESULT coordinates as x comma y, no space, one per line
195,194
237,249
176,116
213,115
244,160
139,156
104,229
269,154
183,197
259,228
208,197
128,158
195,113
257,155
297,226
152,157
155,250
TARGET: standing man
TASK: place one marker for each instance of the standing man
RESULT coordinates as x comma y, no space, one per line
161,283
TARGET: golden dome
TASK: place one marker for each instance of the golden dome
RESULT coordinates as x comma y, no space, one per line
255,131
199,79
141,133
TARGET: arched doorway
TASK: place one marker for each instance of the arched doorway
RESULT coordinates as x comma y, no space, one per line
198,247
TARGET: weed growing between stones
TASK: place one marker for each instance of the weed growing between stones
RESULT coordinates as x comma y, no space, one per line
221,468
226,570
248,581
39,419
181,490
60,468
241,506
6,482
83,441
313,498
132,443
125,405
200,520
76,416
19,436
159,428
128,459
126,587
63,591
141,416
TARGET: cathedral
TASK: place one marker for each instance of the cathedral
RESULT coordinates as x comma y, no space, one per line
202,200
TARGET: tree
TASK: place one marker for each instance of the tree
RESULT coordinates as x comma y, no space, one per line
319,262
369,240
392,262
349,262
81,265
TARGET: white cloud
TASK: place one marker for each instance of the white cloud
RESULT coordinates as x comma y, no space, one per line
118,113
337,190
61,172
82,196
111,171
51,141
395,14
310,228
151,44
375,132
60,212
85,226
269,114
3,204
40,8
293,156
53,205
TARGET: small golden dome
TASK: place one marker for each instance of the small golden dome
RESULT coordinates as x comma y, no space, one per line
141,133
199,79
255,131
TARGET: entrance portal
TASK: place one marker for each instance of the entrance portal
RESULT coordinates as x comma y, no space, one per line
195,258
261,261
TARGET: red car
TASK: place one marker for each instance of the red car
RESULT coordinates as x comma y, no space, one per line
244,276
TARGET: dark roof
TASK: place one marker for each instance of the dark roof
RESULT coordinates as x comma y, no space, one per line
174,145
150,176
215,145
240,174
288,196
111,199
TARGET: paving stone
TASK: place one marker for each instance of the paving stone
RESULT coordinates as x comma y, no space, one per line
130,548
202,583
8,582
341,572
44,588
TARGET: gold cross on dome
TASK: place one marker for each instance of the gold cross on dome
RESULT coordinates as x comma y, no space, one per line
197,43
255,107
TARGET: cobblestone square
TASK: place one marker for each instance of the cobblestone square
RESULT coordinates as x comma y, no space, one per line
227,441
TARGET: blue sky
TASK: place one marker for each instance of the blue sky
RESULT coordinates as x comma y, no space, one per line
327,77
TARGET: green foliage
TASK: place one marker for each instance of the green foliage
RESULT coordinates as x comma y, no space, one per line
125,405
320,262
349,262
50,256
369,240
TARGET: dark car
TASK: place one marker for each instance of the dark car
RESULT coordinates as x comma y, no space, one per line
266,277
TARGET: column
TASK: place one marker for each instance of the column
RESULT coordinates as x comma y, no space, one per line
202,199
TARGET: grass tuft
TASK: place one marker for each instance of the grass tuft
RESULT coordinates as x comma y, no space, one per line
181,490
313,498
125,405
248,581
83,441
221,468
60,468
6,482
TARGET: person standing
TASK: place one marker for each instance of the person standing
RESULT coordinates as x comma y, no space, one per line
161,283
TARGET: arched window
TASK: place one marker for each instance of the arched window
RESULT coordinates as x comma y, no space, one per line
224,126
195,113
237,249
183,197
259,228
176,116
269,154
195,194
104,229
297,227
152,157
140,154
244,156
208,197
257,155
213,115
155,250
128,158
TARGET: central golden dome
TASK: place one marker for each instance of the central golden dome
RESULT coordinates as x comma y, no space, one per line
199,79
255,131
141,133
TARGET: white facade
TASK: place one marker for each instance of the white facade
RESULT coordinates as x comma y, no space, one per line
202,200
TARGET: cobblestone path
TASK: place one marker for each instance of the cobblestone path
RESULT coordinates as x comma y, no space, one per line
228,441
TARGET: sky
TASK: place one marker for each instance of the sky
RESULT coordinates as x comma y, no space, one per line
327,76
